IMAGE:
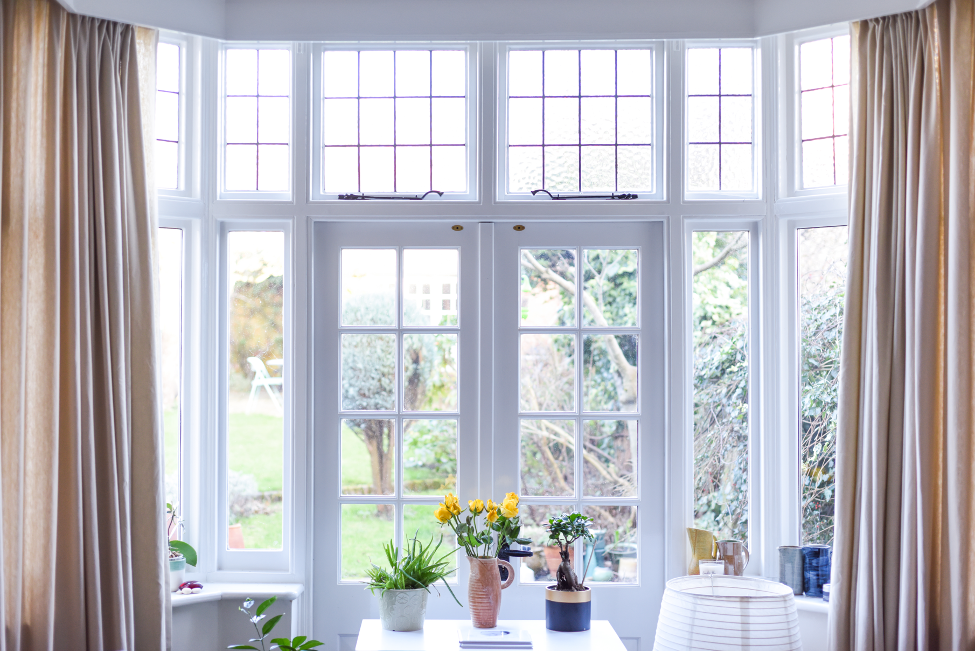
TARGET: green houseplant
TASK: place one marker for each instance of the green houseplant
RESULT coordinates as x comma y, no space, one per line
264,631
181,553
568,601
405,585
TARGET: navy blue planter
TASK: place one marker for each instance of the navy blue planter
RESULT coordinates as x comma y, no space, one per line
817,569
567,611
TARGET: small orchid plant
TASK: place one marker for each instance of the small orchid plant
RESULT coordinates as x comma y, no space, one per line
297,643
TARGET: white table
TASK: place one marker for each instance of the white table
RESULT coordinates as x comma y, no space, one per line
443,635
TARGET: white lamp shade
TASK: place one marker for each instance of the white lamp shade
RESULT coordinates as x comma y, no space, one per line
724,612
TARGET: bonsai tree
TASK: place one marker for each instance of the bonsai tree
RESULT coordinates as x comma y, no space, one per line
564,530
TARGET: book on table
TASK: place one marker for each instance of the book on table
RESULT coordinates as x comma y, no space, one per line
496,638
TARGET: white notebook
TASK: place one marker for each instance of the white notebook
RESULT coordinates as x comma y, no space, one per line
497,638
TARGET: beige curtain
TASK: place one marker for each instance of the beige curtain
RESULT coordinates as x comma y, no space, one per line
82,546
903,565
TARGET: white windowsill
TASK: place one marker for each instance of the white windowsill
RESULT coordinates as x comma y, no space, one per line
817,605
214,591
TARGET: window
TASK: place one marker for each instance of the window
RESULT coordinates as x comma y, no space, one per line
256,392
822,255
825,68
168,111
170,312
395,121
720,114
581,121
256,121
720,382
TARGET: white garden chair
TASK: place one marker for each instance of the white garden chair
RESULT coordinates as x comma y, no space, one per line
263,379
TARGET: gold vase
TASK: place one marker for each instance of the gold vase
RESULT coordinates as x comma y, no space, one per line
485,589
703,547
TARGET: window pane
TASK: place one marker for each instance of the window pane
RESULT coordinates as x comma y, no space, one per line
610,287
634,169
368,379
561,121
817,159
610,450
525,73
167,165
377,169
255,401
376,73
736,71
615,551
702,77
610,373
816,62
377,122
736,167
430,278
450,169
413,121
413,73
274,74
562,168
703,167
449,73
413,169
168,67
448,125
368,452
170,245
597,169
273,167
431,372
241,163
525,168
273,120
548,283
546,457
634,120
430,457
340,74
703,120
597,120
546,374
720,294
525,121
369,282
364,531
822,256
340,172
824,104
168,116
241,70
634,72
167,160
597,72
541,567
560,72
241,125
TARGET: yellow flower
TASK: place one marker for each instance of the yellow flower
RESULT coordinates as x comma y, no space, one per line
442,514
510,509
492,505
511,496
493,516
476,506
451,503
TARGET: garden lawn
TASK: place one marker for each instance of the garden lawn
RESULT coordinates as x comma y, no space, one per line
255,447
263,531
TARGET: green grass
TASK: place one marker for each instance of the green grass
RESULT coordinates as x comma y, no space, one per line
263,531
255,446
356,463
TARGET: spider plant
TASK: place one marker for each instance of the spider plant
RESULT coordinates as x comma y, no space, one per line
419,568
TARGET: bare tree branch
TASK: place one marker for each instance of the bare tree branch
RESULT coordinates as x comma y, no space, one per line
732,247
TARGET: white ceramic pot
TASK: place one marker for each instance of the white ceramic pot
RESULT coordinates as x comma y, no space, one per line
178,567
403,611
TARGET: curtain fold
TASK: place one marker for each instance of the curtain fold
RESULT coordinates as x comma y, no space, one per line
903,575
82,543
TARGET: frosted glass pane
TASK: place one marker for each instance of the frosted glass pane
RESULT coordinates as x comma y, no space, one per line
369,287
703,71
841,108
736,125
816,64
634,169
273,167
449,70
736,71
167,166
525,72
241,120
562,167
377,169
273,72
841,160
634,72
597,72
703,119
413,121
413,72
448,121
737,167
525,168
376,73
431,292
377,122
546,451
703,165
525,121
816,114
431,360
241,167
340,170
546,372
241,71
339,122
413,169
340,74
273,116
596,169
168,116
168,67
597,120
634,120
560,72
842,59
560,120
450,169
817,161
609,369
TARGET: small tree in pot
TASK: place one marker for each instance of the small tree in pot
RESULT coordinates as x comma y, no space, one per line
568,601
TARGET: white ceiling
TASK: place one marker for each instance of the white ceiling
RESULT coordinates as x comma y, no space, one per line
412,20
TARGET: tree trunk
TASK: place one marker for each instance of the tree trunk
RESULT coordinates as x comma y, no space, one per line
378,439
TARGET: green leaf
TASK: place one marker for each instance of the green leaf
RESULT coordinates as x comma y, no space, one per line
270,625
241,647
298,640
311,644
264,605
186,550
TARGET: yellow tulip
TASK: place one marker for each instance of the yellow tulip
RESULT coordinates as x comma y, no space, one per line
493,516
442,514
511,496
476,506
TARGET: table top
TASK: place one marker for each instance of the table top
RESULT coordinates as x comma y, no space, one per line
443,635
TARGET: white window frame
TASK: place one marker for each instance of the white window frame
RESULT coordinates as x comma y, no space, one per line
245,560
789,110
188,184
681,88
658,135
472,101
294,82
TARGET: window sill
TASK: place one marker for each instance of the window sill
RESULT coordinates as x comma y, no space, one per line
237,591
805,603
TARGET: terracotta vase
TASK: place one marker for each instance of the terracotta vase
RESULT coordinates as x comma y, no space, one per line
485,589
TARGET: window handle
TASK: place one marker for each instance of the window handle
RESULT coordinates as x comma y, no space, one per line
353,196
613,195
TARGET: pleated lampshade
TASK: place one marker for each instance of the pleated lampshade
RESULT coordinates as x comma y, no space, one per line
724,612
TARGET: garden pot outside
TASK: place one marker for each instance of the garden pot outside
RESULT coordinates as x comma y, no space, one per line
567,611
553,559
402,610
485,589
620,551
178,568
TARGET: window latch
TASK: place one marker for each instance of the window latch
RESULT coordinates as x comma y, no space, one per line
354,197
613,195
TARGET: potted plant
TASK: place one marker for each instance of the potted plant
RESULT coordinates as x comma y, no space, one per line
181,553
568,601
298,643
405,586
